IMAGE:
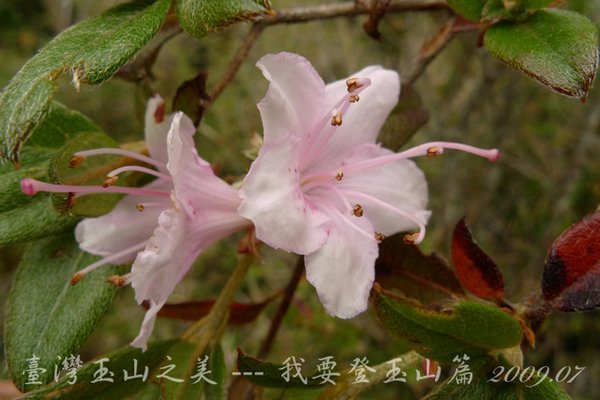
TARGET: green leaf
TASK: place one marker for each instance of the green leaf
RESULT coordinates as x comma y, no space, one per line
118,361
482,388
219,374
199,17
25,218
518,10
470,9
90,172
558,48
46,316
471,328
92,51
181,355
270,375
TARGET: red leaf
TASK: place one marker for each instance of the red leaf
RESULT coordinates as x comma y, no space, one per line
239,313
572,269
476,270
427,278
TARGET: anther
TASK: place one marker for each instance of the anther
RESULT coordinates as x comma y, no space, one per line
357,210
354,98
140,207
109,181
339,175
380,237
352,84
410,238
434,151
336,118
117,280
76,161
76,278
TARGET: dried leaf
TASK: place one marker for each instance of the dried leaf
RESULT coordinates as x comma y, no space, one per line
572,270
427,278
476,270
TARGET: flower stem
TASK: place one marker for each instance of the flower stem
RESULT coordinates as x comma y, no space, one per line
345,387
284,306
211,326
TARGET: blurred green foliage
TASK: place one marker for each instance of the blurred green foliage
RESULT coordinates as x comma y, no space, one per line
548,175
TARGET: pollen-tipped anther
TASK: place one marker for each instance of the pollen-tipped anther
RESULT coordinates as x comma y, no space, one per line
354,83
140,207
76,161
354,98
357,210
109,181
434,151
117,280
76,278
411,238
336,118
380,237
339,175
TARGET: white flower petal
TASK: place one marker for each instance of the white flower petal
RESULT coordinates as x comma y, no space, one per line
197,188
295,100
105,235
141,340
343,269
400,184
282,215
155,132
364,119
166,258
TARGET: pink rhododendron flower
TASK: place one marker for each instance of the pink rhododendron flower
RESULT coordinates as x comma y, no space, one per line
323,188
164,225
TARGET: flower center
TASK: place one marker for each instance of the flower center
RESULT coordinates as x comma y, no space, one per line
331,181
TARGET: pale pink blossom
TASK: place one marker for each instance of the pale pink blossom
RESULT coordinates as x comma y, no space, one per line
323,188
163,226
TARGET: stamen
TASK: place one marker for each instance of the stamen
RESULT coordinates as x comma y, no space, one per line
336,118
31,186
118,280
434,151
76,161
356,83
107,260
419,235
136,168
354,98
422,150
109,181
121,152
380,237
412,238
339,175
357,210
142,206
320,136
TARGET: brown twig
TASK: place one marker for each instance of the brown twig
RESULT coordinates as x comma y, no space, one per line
237,60
347,9
429,50
284,306
313,13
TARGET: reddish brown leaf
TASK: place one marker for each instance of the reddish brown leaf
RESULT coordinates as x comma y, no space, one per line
239,313
191,97
427,278
572,270
476,270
